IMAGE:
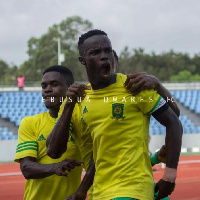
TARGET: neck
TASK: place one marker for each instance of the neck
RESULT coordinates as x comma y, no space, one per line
96,85
53,113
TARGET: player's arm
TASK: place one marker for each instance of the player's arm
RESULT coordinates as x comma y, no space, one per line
173,143
33,170
143,81
58,138
86,183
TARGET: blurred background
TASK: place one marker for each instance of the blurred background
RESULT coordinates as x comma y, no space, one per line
158,37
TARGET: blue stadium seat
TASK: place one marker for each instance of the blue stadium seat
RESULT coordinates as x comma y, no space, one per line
16,105
189,98
188,126
5,134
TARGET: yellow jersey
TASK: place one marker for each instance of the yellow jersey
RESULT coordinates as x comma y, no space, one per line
119,124
33,132
80,134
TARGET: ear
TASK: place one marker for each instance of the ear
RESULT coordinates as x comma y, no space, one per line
82,60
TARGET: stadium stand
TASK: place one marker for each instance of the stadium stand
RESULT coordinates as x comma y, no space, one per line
188,126
16,105
5,134
189,98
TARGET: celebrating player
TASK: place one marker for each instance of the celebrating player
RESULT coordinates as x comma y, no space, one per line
45,175
118,123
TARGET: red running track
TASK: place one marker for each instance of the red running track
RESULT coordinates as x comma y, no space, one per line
187,184
188,178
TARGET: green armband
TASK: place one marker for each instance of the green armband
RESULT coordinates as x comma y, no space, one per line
154,159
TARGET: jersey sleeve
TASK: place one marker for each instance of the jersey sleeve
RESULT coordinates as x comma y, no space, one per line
62,107
86,144
27,142
82,136
71,128
148,100
75,126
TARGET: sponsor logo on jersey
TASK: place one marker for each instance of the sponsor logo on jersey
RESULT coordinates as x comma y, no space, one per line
85,110
41,138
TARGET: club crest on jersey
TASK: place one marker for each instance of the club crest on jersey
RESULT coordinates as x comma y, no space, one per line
117,111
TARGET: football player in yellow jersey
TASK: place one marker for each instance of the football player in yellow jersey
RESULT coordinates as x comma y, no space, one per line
46,175
148,82
96,54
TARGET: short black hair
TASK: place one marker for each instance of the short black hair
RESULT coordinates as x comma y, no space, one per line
64,71
87,35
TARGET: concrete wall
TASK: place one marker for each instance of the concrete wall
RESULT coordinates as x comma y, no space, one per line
8,147
169,86
182,86
7,150
15,89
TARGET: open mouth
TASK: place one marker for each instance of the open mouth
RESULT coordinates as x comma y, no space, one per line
105,69
49,98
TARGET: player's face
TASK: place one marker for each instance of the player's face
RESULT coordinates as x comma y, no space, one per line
98,58
53,89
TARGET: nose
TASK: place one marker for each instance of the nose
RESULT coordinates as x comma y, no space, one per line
48,89
104,56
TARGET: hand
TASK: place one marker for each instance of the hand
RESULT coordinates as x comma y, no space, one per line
164,188
76,90
141,81
67,164
162,154
77,196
